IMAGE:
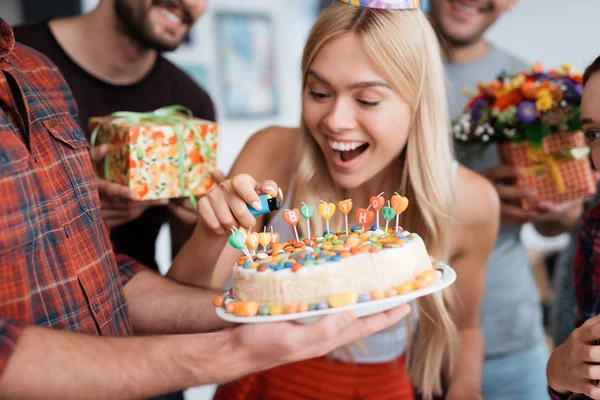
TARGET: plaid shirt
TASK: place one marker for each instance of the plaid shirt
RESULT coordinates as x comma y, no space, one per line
587,276
57,267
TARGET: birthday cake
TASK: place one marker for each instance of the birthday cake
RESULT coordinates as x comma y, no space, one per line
331,270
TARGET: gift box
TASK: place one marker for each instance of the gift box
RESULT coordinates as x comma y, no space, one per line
558,171
534,116
160,154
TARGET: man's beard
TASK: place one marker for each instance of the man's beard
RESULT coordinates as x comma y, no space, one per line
134,22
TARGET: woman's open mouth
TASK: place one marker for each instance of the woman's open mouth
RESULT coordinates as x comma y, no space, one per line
347,153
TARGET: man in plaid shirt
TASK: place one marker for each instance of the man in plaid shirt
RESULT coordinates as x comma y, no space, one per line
574,368
65,296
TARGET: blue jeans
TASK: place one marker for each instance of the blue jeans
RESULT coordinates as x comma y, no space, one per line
520,375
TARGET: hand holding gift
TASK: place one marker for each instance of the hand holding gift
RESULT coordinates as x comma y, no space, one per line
118,203
534,116
504,178
161,154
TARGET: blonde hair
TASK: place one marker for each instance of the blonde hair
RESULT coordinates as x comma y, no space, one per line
405,49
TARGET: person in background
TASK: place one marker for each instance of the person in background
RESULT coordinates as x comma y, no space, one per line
69,306
574,367
111,59
511,314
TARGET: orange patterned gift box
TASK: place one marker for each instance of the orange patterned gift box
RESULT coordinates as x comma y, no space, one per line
558,172
158,155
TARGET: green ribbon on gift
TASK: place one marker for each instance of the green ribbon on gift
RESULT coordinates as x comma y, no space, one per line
170,115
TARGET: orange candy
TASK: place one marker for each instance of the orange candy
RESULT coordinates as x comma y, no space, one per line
354,250
218,301
296,267
426,278
345,254
303,307
230,307
376,294
291,309
391,293
364,237
406,287
246,308
353,241
338,247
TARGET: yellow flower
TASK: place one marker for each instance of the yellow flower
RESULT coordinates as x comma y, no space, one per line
567,68
518,81
544,93
544,103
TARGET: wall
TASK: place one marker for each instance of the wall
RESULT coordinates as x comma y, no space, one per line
10,11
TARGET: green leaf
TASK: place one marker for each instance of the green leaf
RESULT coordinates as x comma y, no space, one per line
535,134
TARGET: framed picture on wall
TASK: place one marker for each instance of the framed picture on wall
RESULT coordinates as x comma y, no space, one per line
246,64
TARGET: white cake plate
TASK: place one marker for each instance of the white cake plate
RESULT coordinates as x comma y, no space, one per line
360,309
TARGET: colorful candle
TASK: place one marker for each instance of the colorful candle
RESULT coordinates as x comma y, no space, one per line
274,236
399,204
307,212
236,240
377,203
364,217
264,238
252,241
292,217
326,210
388,214
345,207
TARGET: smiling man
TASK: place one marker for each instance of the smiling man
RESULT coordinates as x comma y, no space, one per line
111,59
511,313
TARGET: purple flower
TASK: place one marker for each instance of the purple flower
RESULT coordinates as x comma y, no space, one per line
477,110
527,112
578,89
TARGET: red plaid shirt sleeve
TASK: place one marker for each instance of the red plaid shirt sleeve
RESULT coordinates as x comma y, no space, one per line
57,266
128,267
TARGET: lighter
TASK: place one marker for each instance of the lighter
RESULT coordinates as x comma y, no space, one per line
269,204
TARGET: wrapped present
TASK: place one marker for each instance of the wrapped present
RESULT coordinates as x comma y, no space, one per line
535,118
558,171
160,154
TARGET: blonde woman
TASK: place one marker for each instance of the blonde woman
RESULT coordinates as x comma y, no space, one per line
374,119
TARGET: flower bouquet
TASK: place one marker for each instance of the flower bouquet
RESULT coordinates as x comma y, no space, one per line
534,116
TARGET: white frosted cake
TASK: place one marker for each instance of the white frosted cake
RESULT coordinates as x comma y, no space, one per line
333,270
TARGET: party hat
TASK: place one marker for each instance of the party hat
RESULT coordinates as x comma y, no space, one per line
385,4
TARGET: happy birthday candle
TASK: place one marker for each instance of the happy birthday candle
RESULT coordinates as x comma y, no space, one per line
307,212
251,241
326,210
377,203
274,236
399,204
388,214
264,238
345,207
236,240
364,217
292,217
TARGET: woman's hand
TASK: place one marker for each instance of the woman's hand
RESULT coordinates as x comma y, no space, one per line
225,206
